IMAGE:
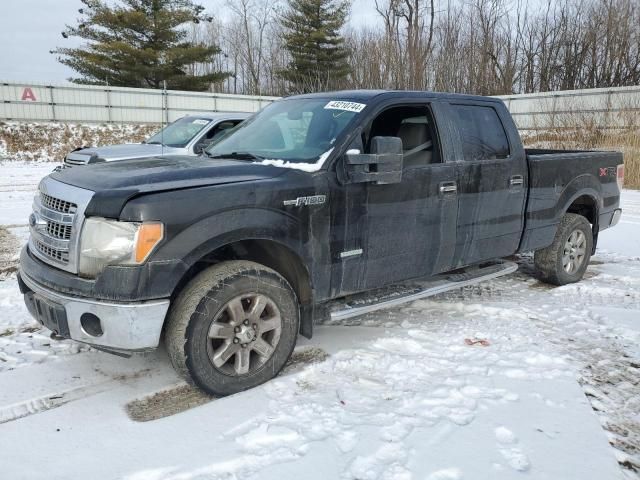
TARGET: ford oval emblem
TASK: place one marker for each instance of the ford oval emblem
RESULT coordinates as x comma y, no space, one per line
32,220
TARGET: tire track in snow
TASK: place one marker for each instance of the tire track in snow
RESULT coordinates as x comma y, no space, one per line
33,406
40,404
175,399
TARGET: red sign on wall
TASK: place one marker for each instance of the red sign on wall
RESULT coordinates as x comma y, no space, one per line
27,94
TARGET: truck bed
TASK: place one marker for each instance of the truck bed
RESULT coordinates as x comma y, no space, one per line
561,178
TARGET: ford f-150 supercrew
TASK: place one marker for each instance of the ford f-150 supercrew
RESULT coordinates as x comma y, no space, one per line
322,205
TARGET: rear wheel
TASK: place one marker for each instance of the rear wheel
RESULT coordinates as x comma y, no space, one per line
233,327
567,258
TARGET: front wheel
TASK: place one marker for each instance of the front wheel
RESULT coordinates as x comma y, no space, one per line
567,258
233,327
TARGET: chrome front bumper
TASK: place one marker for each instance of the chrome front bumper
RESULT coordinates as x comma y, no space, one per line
122,326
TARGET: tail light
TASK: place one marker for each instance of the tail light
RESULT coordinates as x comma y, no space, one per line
620,176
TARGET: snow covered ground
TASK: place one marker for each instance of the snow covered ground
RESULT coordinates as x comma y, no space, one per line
395,395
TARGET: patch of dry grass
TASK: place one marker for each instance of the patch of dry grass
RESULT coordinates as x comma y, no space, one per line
626,140
52,141
9,246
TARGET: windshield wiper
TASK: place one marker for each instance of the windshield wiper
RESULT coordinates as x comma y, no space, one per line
237,156
153,143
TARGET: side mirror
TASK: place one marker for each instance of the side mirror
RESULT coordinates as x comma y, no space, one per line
199,148
382,166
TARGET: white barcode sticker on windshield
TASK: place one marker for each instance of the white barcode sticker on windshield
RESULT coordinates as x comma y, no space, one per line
200,121
348,106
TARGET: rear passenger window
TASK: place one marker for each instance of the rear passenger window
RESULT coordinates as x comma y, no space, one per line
482,134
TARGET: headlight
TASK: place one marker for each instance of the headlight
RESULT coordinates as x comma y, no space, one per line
109,242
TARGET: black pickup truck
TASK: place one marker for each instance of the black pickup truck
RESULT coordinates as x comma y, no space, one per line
322,205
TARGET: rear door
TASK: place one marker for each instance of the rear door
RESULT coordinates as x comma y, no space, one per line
491,174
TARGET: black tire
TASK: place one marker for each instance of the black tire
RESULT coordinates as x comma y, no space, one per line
208,305
551,262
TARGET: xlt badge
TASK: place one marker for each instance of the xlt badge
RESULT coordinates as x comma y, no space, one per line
312,200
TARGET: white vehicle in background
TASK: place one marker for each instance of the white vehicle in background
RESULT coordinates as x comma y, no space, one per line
188,135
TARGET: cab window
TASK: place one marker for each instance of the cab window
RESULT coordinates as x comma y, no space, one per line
414,126
481,132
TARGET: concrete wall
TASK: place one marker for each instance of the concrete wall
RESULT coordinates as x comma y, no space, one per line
602,108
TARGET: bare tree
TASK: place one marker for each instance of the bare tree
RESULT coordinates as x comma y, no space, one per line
408,40
476,46
252,19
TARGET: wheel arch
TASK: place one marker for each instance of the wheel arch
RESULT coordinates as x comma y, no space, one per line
586,204
583,196
268,252
276,255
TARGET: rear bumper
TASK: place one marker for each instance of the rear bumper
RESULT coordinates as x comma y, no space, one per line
609,219
132,326
617,213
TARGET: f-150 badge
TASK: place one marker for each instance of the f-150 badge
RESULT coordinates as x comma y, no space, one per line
302,201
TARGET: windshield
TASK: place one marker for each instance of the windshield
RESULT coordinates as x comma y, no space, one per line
179,133
296,130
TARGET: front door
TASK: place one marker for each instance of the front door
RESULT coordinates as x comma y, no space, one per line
411,226
389,233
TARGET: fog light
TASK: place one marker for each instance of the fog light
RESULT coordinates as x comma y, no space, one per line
91,324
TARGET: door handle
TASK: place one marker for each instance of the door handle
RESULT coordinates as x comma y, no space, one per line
448,187
516,180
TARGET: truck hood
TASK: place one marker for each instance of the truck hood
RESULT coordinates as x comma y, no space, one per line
112,153
115,183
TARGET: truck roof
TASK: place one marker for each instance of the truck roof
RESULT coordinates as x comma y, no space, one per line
398,94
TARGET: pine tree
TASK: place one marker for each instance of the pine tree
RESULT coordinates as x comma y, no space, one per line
138,43
313,40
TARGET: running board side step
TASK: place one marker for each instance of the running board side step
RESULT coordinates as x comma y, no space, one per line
392,296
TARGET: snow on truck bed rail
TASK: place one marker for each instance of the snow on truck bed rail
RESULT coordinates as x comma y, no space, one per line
507,379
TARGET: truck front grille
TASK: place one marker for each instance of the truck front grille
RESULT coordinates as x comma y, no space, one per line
52,253
58,214
52,226
57,204
57,230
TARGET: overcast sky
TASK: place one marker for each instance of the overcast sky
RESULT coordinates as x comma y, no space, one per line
29,29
